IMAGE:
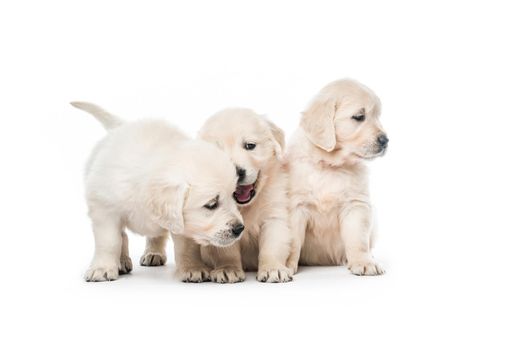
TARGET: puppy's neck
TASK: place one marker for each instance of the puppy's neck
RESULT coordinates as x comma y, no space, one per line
339,159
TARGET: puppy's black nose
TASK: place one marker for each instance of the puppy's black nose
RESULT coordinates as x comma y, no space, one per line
238,229
241,173
382,140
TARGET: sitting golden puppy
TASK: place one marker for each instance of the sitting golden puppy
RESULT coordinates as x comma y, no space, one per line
255,145
330,207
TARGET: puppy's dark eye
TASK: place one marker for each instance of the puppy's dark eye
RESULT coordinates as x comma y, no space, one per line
359,118
249,146
212,205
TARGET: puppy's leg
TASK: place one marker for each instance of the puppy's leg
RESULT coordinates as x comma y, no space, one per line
274,248
356,226
155,251
108,247
298,222
190,267
125,260
226,262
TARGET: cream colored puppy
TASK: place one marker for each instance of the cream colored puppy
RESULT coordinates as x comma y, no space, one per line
150,178
331,211
255,145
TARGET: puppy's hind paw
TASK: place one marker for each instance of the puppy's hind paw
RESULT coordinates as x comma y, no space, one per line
125,265
194,274
100,274
274,274
153,259
227,275
366,268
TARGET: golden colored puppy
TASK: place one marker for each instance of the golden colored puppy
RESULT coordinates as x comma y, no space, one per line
331,216
255,146
149,177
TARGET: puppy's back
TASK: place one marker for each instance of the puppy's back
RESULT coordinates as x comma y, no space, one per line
128,155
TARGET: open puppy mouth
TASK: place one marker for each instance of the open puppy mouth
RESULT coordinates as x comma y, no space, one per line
245,193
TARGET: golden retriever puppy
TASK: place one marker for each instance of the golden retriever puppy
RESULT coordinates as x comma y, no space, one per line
255,146
150,178
331,216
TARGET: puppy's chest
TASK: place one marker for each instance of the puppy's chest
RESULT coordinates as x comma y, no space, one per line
327,191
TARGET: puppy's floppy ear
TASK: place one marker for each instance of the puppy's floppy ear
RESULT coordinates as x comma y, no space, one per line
277,138
318,122
166,202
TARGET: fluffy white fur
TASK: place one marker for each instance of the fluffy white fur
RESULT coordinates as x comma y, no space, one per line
331,215
150,178
266,242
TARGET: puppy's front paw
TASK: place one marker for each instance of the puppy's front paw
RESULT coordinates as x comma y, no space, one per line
227,275
125,265
152,259
194,274
274,274
100,274
365,268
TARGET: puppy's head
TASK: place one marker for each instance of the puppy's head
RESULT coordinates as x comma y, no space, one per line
254,144
344,118
197,200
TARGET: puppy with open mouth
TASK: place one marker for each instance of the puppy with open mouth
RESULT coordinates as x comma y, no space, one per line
246,190
255,146
331,215
148,177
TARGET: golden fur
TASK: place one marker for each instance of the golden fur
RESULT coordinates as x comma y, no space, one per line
150,178
331,214
266,242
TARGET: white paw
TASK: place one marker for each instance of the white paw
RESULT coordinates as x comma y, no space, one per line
152,259
100,274
125,265
365,268
227,275
194,274
274,274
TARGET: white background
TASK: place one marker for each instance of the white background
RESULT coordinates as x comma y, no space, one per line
444,192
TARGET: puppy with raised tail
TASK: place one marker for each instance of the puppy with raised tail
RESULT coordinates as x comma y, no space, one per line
331,214
147,176
255,145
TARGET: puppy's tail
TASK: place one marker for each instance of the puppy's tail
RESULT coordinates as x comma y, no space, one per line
108,120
